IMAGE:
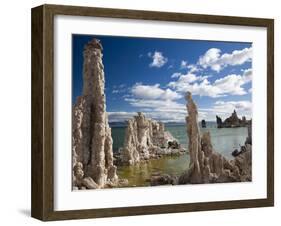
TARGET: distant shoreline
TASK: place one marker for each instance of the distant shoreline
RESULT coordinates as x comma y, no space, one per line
124,124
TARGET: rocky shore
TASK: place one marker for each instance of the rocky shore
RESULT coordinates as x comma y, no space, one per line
206,165
146,139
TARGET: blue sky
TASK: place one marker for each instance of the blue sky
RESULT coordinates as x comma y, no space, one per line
152,75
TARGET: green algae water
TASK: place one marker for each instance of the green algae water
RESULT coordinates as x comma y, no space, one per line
224,141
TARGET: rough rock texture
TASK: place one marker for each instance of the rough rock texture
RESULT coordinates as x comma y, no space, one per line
194,147
130,153
146,139
244,163
81,182
247,145
92,141
203,123
206,165
163,180
232,121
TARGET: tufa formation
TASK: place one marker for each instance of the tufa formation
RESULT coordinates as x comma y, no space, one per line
203,123
146,139
92,142
232,121
206,165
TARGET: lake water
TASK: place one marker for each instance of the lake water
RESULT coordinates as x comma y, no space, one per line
224,141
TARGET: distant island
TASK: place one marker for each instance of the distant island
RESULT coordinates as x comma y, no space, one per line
233,121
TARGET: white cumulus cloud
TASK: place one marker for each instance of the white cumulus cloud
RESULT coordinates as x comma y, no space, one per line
161,110
184,64
217,61
192,68
176,75
153,92
230,106
160,105
200,85
158,59
155,102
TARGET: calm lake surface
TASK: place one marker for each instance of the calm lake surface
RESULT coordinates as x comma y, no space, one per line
224,141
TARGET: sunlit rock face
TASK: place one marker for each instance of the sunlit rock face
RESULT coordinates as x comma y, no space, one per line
146,139
206,165
92,141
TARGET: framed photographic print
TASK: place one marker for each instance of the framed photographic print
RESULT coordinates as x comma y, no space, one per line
141,112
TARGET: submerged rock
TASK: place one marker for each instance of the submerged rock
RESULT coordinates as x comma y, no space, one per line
164,179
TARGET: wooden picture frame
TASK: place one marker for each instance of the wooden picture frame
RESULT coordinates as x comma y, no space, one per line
42,203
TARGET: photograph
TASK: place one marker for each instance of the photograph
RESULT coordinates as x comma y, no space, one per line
138,112
160,112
